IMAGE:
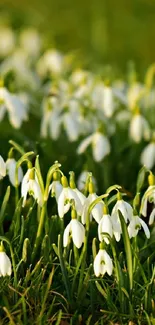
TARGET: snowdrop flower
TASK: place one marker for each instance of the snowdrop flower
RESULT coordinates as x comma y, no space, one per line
103,99
149,197
5,263
125,208
7,41
83,178
77,231
102,263
127,212
65,198
18,62
31,186
56,187
11,171
16,109
71,121
97,211
108,101
135,225
30,41
51,119
105,225
78,77
51,62
2,168
134,94
148,156
71,126
100,145
139,128
80,195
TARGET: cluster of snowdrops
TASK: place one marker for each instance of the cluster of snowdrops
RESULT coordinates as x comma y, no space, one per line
83,204
87,106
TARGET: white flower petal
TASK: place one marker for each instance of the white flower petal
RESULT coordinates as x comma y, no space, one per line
105,225
11,167
148,156
2,168
108,263
66,234
78,233
152,217
61,202
100,146
145,227
84,144
5,264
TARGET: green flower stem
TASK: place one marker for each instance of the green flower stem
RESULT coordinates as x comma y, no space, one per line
127,246
37,243
39,231
18,164
64,270
76,255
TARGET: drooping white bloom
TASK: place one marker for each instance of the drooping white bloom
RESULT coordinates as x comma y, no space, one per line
30,41
2,168
135,225
5,264
125,208
139,128
100,145
103,98
117,229
71,125
7,41
102,263
51,118
127,212
11,170
56,189
64,201
80,195
134,95
96,212
17,111
78,77
32,188
83,178
149,196
77,231
105,226
108,101
52,61
148,156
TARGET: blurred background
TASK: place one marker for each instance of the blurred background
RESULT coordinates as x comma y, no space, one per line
105,37
100,30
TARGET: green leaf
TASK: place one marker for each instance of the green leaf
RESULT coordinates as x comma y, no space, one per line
4,205
39,175
128,250
141,178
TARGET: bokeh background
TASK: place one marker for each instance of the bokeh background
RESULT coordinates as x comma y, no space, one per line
100,30
100,34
